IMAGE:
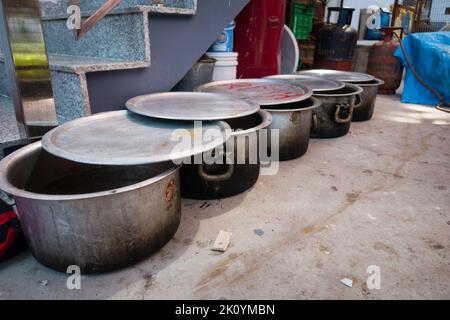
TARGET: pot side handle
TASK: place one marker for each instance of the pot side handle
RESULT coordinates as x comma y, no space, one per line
215,178
337,115
358,101
315,122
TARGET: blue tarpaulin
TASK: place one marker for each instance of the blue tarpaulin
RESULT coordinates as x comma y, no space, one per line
429,54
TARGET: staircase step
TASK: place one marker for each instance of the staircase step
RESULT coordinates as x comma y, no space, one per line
78,64
4,85
178,4
57,9
121,37
70,87
70,92
71,95
9,133
79,90
69,81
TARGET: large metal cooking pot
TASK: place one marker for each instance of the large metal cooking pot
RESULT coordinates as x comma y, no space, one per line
333,118
96,217
273,95
216,181
200,73
368,98
369,84
294,124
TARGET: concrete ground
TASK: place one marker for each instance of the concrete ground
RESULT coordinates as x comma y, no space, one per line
378,197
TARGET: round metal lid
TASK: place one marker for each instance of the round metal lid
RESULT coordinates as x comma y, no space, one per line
264,92
344,76
124,138
290,52
317,84
191,106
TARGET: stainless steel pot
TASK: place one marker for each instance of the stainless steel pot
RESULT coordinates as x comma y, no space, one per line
333,118
200,73
216,181
294,124
96,217
368,98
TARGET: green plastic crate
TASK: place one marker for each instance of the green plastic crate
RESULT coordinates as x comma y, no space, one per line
302,20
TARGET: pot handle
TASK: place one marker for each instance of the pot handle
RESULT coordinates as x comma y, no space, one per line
7,199
215,178
358,101
315,121
337,114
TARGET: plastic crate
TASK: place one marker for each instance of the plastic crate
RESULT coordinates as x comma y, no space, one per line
302,20
307,49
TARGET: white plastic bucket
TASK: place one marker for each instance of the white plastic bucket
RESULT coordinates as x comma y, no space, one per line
226,65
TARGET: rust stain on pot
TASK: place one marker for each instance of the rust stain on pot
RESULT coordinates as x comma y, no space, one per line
170,190
296,117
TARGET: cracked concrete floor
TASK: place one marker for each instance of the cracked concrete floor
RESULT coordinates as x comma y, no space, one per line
380,196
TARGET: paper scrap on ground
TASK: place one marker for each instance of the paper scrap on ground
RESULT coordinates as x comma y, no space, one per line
222,242
347,282
43,283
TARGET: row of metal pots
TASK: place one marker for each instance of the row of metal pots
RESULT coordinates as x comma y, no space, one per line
105,215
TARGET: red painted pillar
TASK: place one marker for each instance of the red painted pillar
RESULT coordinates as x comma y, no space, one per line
258,34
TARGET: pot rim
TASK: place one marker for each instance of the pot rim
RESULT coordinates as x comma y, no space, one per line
316,103
374,83
356,87
266,121
9,188
307,91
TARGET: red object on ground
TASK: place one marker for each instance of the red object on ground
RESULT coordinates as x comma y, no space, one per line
382,63
257,38
9,225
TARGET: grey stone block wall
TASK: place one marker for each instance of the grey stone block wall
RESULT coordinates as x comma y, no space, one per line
188,4
177,41
71,96
58,8
4,85
8,127
120,37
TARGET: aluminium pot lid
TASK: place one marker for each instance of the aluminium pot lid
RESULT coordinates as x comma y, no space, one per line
344,76
124,138
317,84
264,92
290,52
191,106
